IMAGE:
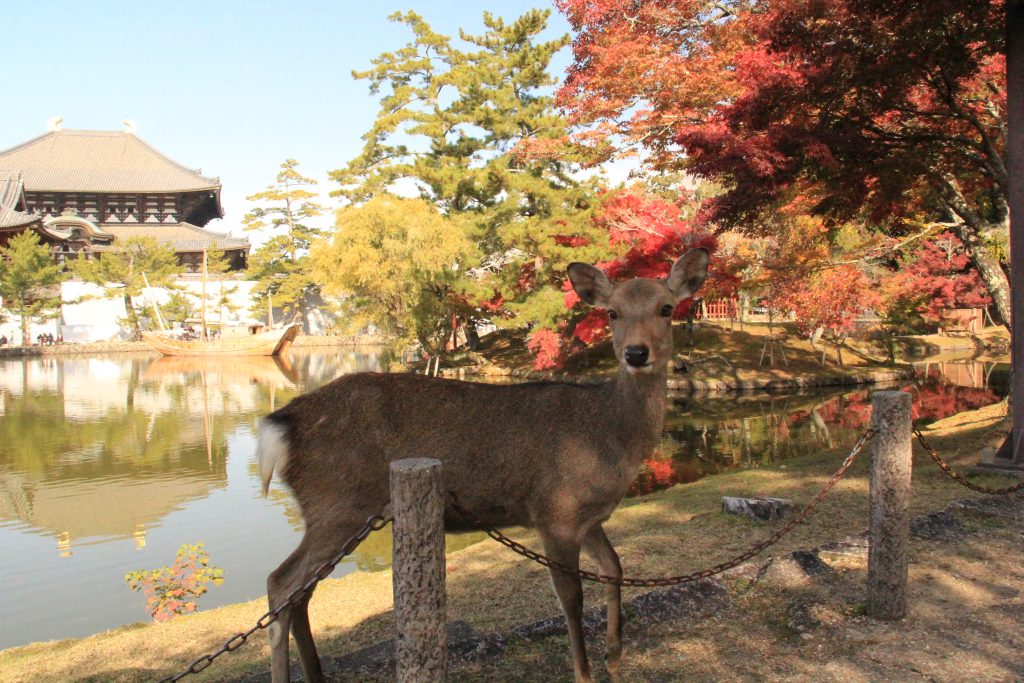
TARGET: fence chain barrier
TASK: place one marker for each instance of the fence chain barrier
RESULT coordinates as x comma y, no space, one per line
585,575
373,523
959,477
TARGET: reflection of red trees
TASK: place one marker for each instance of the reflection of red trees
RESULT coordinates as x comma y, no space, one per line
933,399
852,411
657,472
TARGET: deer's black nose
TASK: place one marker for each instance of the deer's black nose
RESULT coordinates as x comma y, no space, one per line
637,355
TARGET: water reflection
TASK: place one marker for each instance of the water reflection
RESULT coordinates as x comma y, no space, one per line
704,437
109,463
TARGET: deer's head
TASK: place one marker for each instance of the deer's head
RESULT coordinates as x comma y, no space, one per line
640,310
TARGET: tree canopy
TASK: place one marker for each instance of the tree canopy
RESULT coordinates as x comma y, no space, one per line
395,263
125,269
453,116
29,279
889,113
280,264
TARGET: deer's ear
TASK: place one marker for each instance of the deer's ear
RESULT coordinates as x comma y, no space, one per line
590,283
688,273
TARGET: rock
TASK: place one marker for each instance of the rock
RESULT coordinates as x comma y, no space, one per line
688,601
759,508
795,569
1007,507
851,546
938,526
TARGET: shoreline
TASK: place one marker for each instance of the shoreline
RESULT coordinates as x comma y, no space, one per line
687,387
71,349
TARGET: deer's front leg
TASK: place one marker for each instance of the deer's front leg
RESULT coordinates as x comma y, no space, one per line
569,590
599,548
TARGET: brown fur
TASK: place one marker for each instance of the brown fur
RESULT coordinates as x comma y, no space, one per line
551,455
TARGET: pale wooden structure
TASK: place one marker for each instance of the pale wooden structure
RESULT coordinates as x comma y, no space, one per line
270,343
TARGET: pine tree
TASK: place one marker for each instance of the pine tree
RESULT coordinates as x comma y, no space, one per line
473,130
29,279
125,269
280,265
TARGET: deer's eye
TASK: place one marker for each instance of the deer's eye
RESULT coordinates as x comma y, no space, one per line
666,310
613,314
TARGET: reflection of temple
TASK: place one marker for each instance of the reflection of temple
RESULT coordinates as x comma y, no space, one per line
112,507
83,191
104,448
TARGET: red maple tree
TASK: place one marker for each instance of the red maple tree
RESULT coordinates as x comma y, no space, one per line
936,276
881,110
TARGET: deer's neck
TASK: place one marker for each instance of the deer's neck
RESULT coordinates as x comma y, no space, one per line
638,409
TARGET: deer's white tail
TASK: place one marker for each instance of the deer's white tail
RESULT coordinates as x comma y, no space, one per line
272,450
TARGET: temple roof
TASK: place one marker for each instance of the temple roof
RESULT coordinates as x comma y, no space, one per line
99,161
182,237
13,212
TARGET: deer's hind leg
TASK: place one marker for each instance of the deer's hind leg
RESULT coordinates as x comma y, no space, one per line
281,582
599,548
318,546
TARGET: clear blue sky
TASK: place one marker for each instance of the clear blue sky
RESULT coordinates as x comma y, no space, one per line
229,86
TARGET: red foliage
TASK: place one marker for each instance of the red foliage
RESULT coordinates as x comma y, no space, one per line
592,328
494,304
649,232
546,347
863,100
937,276
654,230
831,298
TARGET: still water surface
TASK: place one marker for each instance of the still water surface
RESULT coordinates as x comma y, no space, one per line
110,463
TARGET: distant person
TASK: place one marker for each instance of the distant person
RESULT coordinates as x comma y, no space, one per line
3,340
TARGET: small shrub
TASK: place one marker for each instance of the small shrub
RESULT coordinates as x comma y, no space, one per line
171,591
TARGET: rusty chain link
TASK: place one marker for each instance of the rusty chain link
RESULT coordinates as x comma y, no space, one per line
585,575
961,479
372,523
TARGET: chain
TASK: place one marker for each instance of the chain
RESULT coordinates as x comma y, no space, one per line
959,477
585,575
372,523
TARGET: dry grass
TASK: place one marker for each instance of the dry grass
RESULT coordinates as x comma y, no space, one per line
670,532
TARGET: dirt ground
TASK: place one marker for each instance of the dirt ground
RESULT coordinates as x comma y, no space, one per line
966,623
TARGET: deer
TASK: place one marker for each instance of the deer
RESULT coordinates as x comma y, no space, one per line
554,456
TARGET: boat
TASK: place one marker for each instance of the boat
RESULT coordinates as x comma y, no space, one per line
249,342
268,343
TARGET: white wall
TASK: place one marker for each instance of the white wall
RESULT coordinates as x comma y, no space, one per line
87,315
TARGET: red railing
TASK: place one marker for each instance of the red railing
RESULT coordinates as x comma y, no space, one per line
721,309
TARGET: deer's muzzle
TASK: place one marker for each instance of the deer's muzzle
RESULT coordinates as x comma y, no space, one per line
637,356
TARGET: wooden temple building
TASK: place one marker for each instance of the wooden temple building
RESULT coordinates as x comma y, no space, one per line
83,191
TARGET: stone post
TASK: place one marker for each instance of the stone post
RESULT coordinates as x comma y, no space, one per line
889,517
417,504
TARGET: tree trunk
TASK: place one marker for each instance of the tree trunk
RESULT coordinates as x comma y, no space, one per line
988,267
24,324
133,319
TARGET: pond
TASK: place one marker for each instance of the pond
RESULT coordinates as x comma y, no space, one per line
110,463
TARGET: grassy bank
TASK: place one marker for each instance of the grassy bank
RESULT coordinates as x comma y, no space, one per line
670,532
717,358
